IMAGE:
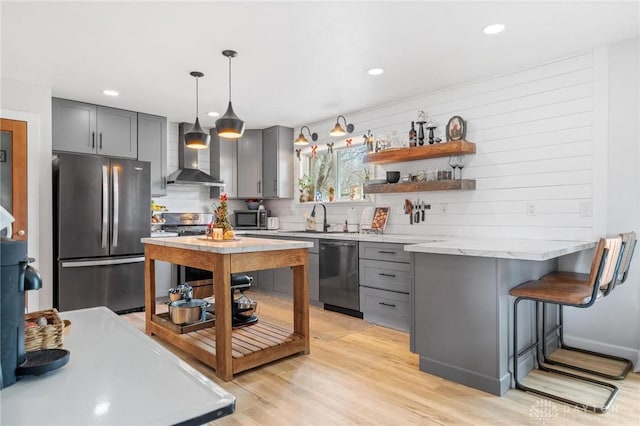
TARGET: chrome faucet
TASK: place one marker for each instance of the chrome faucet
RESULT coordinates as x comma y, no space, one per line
325,225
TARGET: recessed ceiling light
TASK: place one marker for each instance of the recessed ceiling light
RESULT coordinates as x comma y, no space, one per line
213,114
494,29
110,92
375,71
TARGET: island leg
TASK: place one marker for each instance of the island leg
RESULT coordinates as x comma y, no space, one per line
301,302
149,288
222,292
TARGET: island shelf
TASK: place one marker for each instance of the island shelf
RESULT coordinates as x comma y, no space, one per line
438,185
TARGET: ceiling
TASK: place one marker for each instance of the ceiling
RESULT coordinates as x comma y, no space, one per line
298,62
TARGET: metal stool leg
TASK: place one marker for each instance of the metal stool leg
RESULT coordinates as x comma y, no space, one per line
536,344
559,328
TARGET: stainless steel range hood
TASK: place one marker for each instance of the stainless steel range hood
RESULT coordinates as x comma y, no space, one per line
188,172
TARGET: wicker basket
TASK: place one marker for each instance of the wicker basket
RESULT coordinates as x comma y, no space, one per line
47,337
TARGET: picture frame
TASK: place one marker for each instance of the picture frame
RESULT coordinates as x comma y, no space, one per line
380,216
456,129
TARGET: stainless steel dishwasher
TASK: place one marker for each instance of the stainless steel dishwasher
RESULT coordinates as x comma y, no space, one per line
339,276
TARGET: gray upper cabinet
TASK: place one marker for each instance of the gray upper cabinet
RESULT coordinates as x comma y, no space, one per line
74,126
224,164
91,129
250,164
117,132
277,162
152,147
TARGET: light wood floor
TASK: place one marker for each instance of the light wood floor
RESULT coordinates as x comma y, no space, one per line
359,373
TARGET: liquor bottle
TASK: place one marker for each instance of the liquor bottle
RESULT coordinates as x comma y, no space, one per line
412,135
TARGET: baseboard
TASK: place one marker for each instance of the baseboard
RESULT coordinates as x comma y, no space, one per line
494,385
632,354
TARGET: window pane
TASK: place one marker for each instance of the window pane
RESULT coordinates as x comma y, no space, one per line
351,173
322,171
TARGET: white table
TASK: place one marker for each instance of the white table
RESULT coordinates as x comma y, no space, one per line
116,375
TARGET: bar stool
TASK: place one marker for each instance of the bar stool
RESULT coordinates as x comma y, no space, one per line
604,268
626,253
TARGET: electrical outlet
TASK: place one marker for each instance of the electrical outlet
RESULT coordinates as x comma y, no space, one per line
443,208
531,209
586,209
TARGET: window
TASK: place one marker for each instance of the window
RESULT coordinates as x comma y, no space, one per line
335,176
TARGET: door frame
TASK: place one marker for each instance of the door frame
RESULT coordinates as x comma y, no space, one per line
18,129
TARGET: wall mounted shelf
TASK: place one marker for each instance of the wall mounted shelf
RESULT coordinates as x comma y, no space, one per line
440,185
421,152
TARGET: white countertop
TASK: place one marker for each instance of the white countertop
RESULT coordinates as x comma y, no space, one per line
502,248
240,245
116,375
351,236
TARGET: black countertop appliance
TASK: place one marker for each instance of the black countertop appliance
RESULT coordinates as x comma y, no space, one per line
16,276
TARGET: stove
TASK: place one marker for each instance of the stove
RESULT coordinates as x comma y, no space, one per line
186,223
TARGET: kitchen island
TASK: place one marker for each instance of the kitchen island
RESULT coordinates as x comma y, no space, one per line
461,311
231,351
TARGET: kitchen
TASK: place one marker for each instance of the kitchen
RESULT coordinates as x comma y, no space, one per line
560,189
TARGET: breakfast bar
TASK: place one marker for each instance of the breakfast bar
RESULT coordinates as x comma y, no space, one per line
231,351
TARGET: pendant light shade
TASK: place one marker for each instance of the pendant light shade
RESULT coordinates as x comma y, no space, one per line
338,130
196,137
230,125
301,140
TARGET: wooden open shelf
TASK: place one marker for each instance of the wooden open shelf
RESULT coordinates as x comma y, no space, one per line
421,152
251,346
439,185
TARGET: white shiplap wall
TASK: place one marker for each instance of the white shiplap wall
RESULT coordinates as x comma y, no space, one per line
534,135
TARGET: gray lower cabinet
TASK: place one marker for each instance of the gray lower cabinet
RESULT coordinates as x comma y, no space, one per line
93,129
223,163
250,164
152,147
385,284
277,162
280,280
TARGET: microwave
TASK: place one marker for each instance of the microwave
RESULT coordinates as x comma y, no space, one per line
250,219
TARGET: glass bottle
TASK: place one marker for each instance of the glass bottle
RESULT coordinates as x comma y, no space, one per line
412,135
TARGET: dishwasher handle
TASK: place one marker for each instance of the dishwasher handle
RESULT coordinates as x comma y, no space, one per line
339,243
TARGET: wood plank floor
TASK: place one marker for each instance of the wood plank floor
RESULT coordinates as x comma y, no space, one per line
359,373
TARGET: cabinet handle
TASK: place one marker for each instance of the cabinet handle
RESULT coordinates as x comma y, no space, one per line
259,186
100,141
275,185
387,275
386,252
93,139
387,304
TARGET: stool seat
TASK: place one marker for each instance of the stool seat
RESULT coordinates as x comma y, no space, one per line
567,277
559,292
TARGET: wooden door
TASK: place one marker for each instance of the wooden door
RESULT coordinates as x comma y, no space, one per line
13,173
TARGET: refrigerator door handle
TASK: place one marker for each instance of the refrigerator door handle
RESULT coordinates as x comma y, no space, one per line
116,205
85,263
105,206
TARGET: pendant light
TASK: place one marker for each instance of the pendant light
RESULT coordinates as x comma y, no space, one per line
197,138
338,130
230,125
301,140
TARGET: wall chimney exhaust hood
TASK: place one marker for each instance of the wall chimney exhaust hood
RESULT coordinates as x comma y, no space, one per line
188,172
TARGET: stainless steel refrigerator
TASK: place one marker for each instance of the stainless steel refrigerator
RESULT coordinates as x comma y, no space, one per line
101,211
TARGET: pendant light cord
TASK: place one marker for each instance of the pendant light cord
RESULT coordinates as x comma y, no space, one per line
197,99
229,79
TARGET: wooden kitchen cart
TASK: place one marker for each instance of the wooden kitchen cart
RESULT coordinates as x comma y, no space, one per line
226,350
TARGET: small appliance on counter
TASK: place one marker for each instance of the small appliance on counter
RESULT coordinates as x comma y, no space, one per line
16,276
273,223
250,219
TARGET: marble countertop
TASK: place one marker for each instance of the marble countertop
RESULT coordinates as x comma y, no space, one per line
498,248
239,245
116,375
502,248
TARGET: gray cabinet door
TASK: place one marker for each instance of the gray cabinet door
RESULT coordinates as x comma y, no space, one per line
314,277
224,164
277,162
152,147
73,126
117,132
283,280
250,164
